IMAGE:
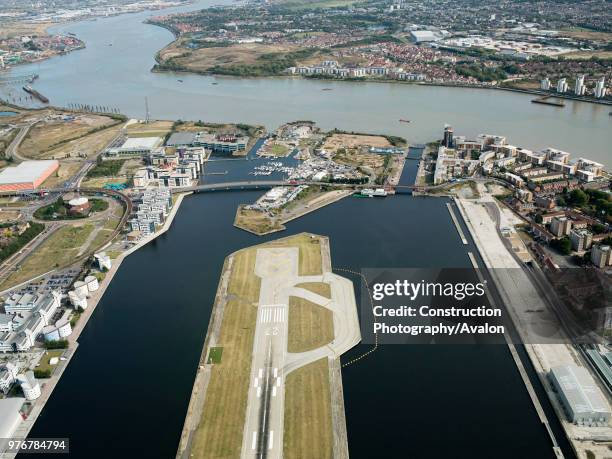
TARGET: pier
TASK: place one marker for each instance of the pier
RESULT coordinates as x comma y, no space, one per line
545,101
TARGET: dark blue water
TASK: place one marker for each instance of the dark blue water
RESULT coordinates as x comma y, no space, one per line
126,391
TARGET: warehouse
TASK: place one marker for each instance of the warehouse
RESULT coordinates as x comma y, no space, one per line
28,175
579,395
136,146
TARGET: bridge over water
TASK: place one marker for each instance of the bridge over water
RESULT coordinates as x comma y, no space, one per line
266,184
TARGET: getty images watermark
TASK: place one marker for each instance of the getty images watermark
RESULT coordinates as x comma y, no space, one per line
462,306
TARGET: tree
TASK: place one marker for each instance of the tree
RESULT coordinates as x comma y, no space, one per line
563,245
578,197
538,218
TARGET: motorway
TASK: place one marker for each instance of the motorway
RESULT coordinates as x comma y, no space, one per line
271,363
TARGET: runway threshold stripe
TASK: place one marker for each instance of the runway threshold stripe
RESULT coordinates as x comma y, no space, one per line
254,442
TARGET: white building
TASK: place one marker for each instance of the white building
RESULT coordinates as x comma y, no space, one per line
136,146
59,330
77,300
29,385
579,88
8,375
562,85
10,419
600,88
545,84
92,283
104,262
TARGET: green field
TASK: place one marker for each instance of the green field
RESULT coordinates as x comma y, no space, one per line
214,355
310,325
308,420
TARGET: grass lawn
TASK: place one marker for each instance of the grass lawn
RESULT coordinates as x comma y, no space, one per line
44,365
214,355
58,250
279,150
219,434
255,221
320,288
308,421
310,325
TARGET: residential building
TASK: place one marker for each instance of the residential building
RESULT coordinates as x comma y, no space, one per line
29,385
600,88
579,88
561,226
581,239
545,84
601,256
562,85
8,375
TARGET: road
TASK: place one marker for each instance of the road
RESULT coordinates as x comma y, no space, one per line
12,150
13,262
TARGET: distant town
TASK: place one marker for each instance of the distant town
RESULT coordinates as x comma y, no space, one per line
430,43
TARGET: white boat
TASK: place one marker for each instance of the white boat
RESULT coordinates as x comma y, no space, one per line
380,192
367,192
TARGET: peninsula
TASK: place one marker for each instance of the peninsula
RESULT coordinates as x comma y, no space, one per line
269,381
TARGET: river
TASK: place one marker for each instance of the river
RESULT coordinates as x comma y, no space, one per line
119,76
126,390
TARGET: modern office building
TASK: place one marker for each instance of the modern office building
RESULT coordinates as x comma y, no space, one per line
545,84
222,143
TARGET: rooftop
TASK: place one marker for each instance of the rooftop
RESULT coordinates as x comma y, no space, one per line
27,171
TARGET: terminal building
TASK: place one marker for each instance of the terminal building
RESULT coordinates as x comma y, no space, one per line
27,176
581,399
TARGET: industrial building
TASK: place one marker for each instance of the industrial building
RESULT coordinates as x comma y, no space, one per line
581,399
136,146
27,176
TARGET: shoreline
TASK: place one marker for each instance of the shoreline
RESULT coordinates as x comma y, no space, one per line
329,199
185,70
49,384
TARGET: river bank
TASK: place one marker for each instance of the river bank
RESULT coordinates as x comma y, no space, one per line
48,385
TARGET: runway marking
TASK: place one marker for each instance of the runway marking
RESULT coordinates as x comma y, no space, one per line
271,440
256,383
272,314
275,372
258,392
274,391
278,382
260,372
254,442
